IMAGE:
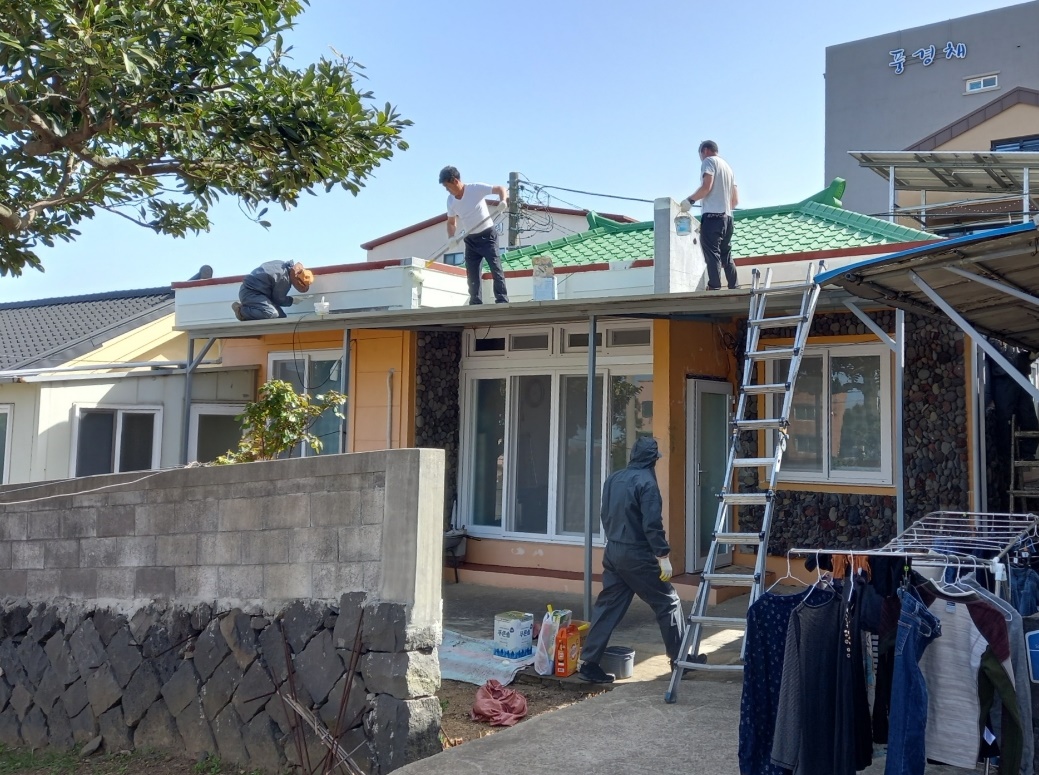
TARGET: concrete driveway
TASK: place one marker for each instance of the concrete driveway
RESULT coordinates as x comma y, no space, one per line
624,731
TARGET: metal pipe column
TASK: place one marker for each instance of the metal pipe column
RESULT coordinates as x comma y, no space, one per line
898,464
589,454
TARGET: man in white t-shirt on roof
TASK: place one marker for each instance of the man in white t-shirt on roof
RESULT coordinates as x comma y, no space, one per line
718,197
468,216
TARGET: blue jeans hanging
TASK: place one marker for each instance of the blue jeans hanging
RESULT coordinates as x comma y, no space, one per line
917,627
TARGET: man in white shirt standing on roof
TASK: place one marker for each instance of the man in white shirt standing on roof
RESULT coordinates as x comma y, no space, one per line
468,216
718,197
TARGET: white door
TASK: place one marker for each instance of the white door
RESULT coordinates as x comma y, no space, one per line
707,448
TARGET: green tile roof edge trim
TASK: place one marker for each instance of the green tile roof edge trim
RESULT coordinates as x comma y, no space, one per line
825,205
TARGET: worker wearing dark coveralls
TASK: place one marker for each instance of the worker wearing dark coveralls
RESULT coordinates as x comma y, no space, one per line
265,290
635,561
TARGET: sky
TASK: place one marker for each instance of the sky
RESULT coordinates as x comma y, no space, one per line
609,97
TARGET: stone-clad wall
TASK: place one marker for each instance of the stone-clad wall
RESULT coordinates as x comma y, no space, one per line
935,447
197,682
437,415
935,452
149,609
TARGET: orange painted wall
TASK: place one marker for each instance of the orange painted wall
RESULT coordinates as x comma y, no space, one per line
681,349
372,355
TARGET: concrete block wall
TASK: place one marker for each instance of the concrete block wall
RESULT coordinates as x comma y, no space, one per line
264,541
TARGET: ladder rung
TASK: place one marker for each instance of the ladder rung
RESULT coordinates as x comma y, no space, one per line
1027,434
783,289
782,321
1025,493
704,666
740,539
746,498
768,424
1027,463
753,462
774,354
774,387
725,622
730,579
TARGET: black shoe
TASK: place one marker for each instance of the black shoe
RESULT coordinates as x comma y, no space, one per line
591,672
236,307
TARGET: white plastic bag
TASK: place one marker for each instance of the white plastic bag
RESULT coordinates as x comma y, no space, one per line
544,656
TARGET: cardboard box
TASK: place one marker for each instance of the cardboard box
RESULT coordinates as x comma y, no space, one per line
514,635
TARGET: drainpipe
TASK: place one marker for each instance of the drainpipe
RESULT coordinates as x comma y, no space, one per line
898,464
389,409
189,369
589,454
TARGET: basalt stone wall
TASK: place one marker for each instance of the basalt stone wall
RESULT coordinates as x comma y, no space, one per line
934,454
196,681
189,609
437,416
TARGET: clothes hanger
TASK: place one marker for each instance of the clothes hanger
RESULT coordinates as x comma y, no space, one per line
789,575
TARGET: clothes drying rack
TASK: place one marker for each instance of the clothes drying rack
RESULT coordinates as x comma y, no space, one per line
964,540
956,539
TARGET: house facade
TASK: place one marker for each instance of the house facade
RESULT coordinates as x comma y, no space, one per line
503,388
968,82
95,384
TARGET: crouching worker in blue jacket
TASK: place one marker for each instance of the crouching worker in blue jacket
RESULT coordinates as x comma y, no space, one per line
635,561
265,290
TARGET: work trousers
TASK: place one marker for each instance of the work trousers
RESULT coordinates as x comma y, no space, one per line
629,570
256,306
716,240
907,725
480,247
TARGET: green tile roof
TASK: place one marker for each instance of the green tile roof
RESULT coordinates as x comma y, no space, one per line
817,223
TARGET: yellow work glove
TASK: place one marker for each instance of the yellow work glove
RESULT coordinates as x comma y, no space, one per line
665,568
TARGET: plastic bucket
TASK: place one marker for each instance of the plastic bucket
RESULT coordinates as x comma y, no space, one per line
619,660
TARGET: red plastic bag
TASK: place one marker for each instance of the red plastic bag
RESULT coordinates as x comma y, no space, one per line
498,705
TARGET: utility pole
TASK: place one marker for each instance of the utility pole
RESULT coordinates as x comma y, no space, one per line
514,240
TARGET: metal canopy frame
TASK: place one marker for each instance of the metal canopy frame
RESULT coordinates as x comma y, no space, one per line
987,284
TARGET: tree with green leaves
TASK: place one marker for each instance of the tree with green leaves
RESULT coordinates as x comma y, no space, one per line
153,109
278,420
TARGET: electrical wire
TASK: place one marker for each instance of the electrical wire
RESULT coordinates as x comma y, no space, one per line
591,193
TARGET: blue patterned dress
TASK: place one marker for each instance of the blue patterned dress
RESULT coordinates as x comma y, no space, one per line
767,622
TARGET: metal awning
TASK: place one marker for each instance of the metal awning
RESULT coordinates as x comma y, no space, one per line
987,283
976,172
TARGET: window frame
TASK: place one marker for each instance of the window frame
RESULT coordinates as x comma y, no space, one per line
5,474
308,356
885,477
981,80
77,413
199,409
556,368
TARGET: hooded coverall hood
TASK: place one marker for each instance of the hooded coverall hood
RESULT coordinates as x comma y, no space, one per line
631,502
644,453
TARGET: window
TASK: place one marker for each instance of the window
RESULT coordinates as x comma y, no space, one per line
214,430
527,437
981,83
528,342
628,337
840,419
114,440
313,373
6,411
1029,143
454,259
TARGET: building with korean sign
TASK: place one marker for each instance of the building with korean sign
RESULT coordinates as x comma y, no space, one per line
970,83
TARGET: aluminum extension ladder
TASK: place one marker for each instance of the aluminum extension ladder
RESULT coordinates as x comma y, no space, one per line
772,431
